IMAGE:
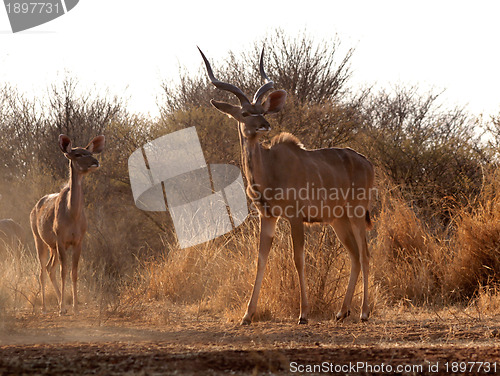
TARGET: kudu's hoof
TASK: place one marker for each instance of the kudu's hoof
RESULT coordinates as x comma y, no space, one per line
303,321
341,316
364,318
245,322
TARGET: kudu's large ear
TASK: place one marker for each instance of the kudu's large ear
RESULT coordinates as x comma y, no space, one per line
274,102
65,143
228,109
96,145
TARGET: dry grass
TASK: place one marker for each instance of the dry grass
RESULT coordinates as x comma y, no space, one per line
19,270
477,244
219,275
130,257
407,258
412,264
455,265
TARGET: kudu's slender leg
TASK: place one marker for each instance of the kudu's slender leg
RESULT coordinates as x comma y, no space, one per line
365,268
297,229
343,229
267,227
77,249
359,229
51,269
61,251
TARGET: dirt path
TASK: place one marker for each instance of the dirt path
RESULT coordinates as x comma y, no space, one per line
202,344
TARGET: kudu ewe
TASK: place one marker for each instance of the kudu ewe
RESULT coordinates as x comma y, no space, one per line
304,186
58,220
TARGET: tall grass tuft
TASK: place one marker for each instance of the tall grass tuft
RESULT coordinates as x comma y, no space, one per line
477,244
19,287
407,258
220,274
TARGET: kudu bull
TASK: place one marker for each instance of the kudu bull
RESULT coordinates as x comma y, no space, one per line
338,183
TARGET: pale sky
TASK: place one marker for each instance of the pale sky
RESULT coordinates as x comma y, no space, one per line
130,47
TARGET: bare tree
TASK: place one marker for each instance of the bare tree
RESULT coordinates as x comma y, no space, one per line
80,115
429,151
309,71
493,128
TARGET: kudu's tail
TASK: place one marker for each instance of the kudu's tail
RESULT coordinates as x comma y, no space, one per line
369,223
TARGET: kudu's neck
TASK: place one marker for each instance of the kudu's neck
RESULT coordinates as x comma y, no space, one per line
252,161
75,199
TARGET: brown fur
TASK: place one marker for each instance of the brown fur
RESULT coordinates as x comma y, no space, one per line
286,138
287,167
58,220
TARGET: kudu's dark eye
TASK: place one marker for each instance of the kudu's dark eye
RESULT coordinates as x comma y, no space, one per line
245,113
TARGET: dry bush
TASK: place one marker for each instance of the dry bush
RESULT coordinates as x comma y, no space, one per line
216,273
432,153
407,258
220,274
477,245
311,71
412,262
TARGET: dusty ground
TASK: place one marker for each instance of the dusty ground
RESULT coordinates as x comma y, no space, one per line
391,343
